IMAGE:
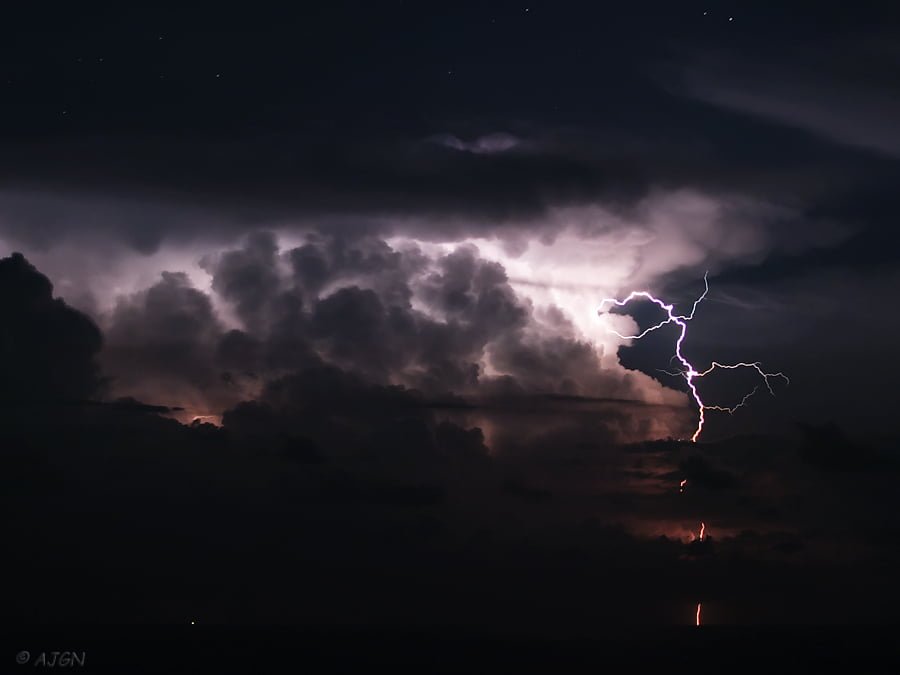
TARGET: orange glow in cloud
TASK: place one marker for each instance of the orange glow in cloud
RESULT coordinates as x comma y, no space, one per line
188,417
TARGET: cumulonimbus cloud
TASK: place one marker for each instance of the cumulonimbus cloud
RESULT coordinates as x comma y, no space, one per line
512,310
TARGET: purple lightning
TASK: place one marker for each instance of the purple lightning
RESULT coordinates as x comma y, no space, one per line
690,373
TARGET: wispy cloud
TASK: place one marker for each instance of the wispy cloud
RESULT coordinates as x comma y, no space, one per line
488,144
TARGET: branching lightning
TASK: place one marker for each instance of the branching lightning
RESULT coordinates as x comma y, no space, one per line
689,372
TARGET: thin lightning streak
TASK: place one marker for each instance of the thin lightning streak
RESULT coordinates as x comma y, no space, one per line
756,366
682,484
730,411
689,372
702,537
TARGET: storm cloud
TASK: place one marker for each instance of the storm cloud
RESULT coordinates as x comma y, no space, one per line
302,315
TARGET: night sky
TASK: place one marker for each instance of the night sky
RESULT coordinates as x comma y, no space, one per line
301,322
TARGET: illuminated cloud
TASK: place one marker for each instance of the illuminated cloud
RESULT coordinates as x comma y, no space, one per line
514,310
483,145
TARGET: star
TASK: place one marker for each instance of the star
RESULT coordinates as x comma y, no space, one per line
731,18
218,74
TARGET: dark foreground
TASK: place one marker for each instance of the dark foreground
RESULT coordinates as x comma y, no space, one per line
199,649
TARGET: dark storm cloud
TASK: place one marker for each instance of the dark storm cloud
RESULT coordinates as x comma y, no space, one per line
298,177
248,277
387,315
214,161
552,364
216,190
369,490
699,471
395,314
345,298
163,344
339,412
414,432
48,218
49,350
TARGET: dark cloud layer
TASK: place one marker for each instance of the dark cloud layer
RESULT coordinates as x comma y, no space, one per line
363,499
480,150
837,88
49,350
391,316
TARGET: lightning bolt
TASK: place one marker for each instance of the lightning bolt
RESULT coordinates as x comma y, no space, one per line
689,372
702,534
